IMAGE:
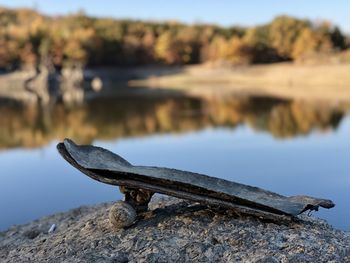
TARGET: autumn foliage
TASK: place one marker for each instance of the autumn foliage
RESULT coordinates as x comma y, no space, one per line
28,38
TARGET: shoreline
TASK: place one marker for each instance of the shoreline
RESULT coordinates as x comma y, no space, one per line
323,82
174,230
281,80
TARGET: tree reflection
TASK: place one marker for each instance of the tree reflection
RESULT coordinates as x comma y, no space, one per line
134,116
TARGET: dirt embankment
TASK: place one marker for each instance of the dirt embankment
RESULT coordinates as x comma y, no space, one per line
330,82
173,231
284,80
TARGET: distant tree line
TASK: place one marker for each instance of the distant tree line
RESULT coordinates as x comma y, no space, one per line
29,38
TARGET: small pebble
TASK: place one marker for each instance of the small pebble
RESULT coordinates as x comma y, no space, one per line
52,229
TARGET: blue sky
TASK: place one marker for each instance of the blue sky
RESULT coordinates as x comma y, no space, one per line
223,12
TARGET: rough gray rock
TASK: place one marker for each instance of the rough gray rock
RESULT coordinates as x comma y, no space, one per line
173,231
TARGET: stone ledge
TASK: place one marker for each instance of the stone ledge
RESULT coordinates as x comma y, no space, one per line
173,231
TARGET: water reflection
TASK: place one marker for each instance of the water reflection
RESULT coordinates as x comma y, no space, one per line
128,116
236,138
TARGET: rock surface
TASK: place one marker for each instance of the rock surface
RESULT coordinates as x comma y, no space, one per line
173,231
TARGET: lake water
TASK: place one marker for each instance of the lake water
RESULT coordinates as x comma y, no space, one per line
290,147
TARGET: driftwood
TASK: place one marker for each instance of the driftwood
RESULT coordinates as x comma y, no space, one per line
138,183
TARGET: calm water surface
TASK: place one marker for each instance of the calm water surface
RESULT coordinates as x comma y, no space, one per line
289,147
